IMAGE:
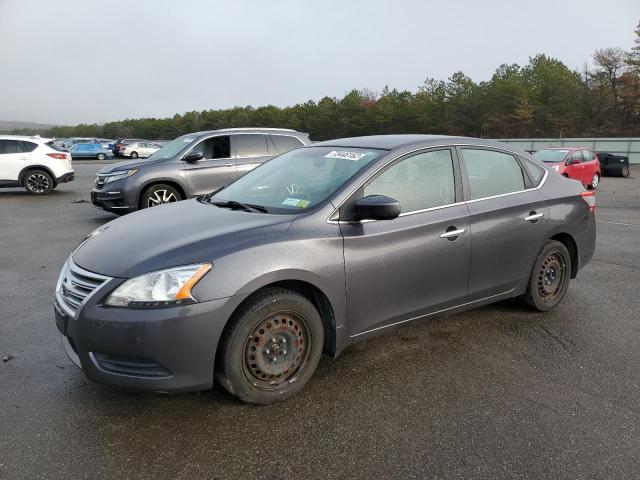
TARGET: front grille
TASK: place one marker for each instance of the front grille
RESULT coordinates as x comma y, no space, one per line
75,285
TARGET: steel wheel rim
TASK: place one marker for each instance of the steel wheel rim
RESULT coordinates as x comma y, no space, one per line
159,197
552,277
38,183
595,180
276,351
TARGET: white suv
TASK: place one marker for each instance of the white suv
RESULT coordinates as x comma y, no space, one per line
28,162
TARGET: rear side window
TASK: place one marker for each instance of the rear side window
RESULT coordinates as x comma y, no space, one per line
418,182
536,172
587,155
284,143
252,145
28,146
10,146
492,173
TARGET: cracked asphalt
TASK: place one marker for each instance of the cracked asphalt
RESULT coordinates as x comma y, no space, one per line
497,392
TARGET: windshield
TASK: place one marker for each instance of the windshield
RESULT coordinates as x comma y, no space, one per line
550,156
174,147
297,180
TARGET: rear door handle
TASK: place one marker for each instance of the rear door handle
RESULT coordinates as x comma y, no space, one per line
452,234
534,217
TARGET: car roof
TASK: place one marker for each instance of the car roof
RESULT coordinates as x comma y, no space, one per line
393,142
251,130
21,137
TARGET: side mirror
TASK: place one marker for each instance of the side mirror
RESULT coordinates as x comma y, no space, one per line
377,207
193,157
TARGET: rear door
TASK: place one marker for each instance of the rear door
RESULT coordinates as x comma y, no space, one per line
508,217
13,158
402,269
217,169
252,149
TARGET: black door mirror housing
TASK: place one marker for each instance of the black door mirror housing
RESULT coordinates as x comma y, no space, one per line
377,207
193,157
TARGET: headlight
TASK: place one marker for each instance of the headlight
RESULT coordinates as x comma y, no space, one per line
164,288
556,168
119,175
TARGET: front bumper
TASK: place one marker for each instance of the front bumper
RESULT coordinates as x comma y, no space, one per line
167,350
112,200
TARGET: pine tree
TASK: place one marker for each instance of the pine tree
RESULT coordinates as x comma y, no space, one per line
633,56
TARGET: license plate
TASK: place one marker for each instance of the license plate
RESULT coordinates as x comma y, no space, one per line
61,320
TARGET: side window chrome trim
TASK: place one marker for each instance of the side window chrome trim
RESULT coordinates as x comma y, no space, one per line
426,149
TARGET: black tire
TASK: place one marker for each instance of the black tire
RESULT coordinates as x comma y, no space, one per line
549,278
101,156
38,182
134,155
275,325
595,181
159,194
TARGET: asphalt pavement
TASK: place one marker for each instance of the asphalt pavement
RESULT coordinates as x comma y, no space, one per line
497,392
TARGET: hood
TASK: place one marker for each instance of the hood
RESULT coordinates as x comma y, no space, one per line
127,165
170,235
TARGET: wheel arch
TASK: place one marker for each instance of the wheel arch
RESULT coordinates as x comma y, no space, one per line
29,168
311,292
155,181
568,241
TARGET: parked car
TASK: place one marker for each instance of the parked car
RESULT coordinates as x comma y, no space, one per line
139,149
577,163
189,166
90,150
312,251
613,165
30,163
121,143
67,143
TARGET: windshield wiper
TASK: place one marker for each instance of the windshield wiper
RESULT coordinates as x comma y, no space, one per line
232,204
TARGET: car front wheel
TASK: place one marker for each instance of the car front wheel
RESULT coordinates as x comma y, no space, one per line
549,279
38,182
158,194
271,348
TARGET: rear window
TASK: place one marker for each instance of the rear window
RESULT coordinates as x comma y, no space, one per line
285,143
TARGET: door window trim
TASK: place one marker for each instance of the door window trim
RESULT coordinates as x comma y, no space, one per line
334,217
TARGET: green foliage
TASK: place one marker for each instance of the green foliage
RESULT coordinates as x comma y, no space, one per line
541,99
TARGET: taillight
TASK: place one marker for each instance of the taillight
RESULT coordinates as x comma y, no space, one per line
59,156
590,198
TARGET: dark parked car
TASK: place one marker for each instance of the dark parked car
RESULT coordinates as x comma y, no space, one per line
316,249
613,165
189,166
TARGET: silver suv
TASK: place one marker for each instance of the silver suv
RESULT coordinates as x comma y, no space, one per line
189,166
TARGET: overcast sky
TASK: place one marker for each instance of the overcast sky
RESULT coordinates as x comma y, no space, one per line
73,61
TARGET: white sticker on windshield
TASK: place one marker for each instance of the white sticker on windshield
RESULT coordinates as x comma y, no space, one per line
188,140
344,155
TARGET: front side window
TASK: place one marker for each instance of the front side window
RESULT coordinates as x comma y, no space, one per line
418,182
299,179
214,148
576,157
491,173
252,145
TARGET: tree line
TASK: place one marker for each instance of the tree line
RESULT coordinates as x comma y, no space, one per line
544,98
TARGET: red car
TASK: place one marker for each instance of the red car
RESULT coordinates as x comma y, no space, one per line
577,163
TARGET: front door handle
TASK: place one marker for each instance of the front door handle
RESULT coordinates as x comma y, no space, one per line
533,217
452,233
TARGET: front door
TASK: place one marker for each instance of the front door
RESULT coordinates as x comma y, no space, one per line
402,269
216,170
508,220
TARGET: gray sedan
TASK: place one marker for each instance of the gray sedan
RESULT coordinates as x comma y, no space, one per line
314,250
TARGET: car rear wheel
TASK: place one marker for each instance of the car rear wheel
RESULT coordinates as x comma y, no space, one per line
595,181
38,182
549,279
134,154
271,348
158,194
101,156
